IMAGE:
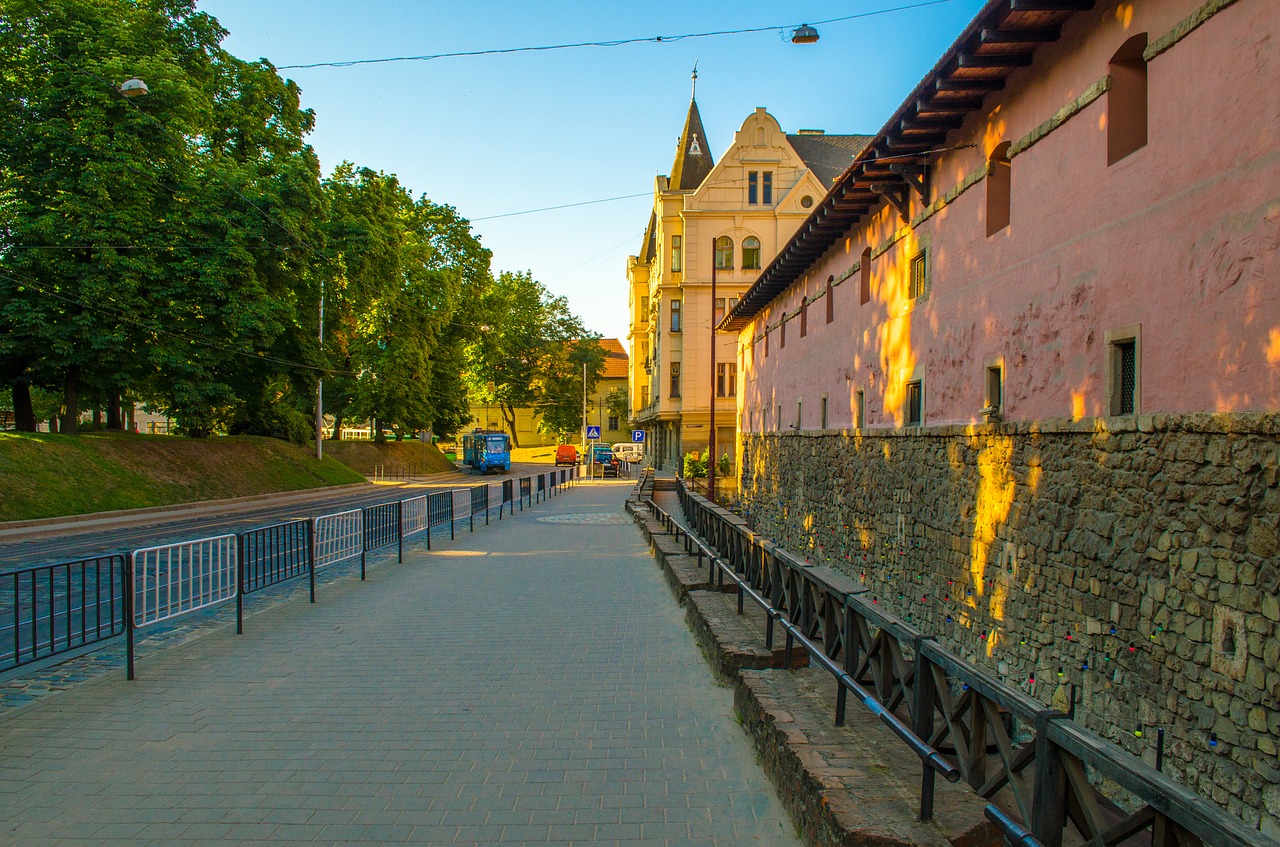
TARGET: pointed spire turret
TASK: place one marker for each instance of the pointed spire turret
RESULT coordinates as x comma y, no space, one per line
693,157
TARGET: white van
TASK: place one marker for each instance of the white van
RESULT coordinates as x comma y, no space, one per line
629,451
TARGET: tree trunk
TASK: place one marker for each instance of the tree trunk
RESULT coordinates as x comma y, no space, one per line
24,414
336,435
97,413
509,418
53,424
113,411
71,401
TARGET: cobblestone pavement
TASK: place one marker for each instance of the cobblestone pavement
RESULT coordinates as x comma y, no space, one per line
533,683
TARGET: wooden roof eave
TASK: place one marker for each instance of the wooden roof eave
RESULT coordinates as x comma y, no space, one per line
1001,39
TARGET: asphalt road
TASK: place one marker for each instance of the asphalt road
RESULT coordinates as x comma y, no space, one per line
169,527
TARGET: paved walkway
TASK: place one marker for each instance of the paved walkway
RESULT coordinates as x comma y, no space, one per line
533,683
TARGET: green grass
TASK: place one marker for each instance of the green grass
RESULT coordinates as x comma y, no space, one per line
43,476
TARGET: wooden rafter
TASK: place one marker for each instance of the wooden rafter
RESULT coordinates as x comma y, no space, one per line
895,193
1039,35
916,176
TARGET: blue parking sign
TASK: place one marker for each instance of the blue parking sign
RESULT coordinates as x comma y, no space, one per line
637,435
593,432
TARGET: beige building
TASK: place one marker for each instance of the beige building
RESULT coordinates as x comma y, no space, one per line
527,430
735,213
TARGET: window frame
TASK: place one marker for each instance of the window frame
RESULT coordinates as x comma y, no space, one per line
677,315
673,389
753,188
724,253
751,255
919,287
1116,342
677,254
914,389
766,188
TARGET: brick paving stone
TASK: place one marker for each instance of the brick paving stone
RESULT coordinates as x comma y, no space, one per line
533,683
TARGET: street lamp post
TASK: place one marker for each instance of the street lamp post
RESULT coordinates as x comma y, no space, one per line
320,384
711,436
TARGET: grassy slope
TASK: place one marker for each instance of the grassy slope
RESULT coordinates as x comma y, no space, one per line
363,455
45,475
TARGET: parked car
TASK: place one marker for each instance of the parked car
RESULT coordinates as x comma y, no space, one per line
566,454
629,452
602,455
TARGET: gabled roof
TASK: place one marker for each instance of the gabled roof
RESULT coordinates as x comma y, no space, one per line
1001,38
827,156
615,359
650,244
693,156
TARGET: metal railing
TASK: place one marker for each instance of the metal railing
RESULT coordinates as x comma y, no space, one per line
49,610
1039,768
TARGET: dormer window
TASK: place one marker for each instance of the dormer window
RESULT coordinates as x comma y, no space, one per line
694,148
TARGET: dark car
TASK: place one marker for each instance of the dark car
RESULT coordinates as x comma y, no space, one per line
602,455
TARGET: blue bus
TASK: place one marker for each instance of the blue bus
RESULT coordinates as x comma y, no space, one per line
486,450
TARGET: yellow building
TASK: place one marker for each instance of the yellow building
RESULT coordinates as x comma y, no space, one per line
735,213
527,433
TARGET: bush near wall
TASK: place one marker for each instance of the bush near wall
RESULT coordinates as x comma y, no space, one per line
1132,558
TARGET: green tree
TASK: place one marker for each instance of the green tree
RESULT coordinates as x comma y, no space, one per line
158,243
533,355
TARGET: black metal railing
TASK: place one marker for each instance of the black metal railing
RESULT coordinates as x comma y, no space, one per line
1033,763
273,554
526,491
52,609
48,610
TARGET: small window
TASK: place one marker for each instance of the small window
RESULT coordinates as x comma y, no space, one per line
993,393
1127,100
613,422
766,190
919,276
914,411
782,333
675,380
644,309
675,315
724,253
726,379
779,420
804,317
751,253
733,301
677,254
799,413
864,268
753,188
806,202
831,302
719,309
824,411
1124,378
766,342
859,409
999,185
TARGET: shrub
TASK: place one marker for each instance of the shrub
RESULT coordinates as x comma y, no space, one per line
695,466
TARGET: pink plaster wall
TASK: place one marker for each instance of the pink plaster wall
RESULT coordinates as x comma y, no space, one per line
1180,237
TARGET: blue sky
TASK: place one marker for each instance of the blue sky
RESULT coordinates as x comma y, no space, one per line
492,135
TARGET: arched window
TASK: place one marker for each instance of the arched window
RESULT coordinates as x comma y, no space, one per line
724,253
864,266
999,175
750,253
1127,100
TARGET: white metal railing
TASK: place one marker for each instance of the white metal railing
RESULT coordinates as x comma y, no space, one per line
461,503
173,579
338,537
413,515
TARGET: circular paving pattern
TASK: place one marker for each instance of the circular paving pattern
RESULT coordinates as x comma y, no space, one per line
587,518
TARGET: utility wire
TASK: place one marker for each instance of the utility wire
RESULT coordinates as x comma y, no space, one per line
655,39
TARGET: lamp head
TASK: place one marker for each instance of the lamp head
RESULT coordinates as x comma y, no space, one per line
133,88
804,34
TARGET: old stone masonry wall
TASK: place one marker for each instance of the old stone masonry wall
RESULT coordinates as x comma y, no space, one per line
1132,559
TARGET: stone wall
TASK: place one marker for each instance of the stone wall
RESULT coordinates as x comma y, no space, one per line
1131,561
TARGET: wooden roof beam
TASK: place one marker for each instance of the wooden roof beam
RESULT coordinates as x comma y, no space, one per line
1050,5
998,61
896,193
967,104
962,85
916,176
1038,35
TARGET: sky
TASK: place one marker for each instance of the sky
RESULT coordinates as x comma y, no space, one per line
492,135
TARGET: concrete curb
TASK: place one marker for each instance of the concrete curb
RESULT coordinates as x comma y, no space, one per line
17,530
